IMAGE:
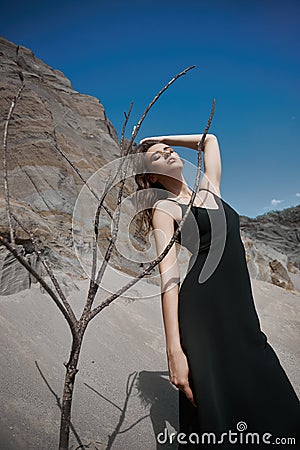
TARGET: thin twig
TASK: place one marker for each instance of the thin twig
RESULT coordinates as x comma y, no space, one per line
6,187
124,128
63,305
200,149
138,125
73,166
67,310
108,185
93,287
96,232
114,235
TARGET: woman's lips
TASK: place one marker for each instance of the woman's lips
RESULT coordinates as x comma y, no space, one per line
171,159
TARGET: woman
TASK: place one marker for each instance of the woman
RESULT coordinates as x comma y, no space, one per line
230,379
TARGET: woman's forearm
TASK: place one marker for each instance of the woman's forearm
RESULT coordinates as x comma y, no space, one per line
170,317
186,140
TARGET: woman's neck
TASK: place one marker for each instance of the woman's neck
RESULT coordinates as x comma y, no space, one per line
177,188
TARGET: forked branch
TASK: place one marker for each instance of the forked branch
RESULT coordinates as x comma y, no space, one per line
94,284
156,261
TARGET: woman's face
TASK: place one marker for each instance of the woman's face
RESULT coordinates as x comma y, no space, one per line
163,160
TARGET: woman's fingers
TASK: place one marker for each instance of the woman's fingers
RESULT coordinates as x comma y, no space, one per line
188,392
179,374
186,388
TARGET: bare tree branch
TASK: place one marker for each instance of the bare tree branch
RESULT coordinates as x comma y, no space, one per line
6,188
156,261
73,166
66,309
124,128
94,285
108,184
96,232
138,125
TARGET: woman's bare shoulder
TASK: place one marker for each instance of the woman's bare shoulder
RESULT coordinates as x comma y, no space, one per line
166,206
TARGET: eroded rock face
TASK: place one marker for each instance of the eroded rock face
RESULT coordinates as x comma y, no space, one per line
55,129
278,229
272,247
51,123
279,275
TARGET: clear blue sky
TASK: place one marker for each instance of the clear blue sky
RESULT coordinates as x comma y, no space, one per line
246,55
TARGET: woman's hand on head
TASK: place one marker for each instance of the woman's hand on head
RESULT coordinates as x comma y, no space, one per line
153,138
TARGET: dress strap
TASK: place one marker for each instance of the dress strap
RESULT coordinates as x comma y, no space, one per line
173,199
212,192
201,189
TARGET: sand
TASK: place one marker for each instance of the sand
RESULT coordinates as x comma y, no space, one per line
123,345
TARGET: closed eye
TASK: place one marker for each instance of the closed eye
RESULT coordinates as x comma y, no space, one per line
158,153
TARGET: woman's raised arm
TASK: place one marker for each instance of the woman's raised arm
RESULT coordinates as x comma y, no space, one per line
211,151
181,140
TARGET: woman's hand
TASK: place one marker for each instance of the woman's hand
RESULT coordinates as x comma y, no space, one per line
179,372
157,138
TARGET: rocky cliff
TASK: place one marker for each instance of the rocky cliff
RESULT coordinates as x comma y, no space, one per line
272,247
52,128
55,129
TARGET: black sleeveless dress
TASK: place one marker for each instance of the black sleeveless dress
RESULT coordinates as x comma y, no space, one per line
235,375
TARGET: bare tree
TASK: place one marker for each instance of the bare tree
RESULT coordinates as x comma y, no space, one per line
79,326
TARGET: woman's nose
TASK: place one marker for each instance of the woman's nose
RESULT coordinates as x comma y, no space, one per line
169,151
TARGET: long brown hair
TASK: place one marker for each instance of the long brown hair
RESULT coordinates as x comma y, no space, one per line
149,196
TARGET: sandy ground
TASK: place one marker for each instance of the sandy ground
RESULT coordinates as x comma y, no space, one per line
123,396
